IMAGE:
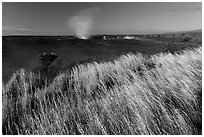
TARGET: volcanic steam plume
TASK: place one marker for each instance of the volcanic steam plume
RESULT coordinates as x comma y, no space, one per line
82,24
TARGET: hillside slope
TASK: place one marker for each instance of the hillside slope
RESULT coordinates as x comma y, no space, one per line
131,95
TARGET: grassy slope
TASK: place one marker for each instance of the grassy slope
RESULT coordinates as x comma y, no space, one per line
131,95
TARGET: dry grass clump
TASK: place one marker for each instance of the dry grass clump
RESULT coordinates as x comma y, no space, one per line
131,95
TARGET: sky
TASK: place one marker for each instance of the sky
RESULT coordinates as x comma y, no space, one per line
52,18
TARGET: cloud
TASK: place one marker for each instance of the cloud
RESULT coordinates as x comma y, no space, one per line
22,29
9,28
186,9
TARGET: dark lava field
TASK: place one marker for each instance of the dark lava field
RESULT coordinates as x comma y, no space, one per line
24,51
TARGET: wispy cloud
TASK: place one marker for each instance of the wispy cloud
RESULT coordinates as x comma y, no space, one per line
9,28
22,29
186,9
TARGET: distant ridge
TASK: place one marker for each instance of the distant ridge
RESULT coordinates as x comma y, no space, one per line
188,31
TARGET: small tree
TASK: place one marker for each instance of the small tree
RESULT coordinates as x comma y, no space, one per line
46,69
46,59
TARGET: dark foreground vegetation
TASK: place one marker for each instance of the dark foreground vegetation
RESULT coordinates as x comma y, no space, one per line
161,94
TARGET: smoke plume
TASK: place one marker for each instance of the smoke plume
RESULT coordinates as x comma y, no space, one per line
82,24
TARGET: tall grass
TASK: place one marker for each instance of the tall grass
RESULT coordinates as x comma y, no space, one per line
131,95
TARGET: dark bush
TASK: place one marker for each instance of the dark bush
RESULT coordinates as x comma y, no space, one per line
46,59
50,65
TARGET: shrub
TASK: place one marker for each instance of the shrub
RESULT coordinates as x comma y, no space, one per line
49,67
